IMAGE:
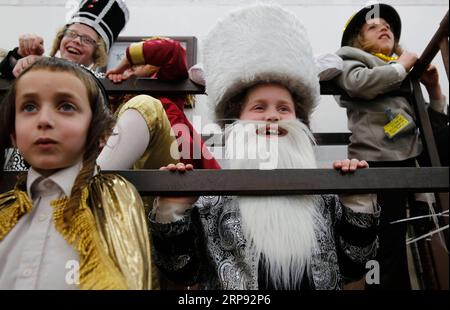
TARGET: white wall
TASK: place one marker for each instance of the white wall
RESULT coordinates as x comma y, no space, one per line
324,20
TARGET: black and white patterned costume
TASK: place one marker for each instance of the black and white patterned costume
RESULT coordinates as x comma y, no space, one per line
207,246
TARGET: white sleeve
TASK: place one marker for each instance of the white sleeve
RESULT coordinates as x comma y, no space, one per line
197,74
439,105
329,65
168,212
127,144
364,203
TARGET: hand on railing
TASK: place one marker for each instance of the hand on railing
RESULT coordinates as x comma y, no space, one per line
172,209
116,75
407,60
125,70
363,203
430,78
348,165
182,168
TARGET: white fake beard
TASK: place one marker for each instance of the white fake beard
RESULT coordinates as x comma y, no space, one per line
245,149
281,228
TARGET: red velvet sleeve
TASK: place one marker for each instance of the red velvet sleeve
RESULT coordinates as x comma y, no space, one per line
166,54
189,139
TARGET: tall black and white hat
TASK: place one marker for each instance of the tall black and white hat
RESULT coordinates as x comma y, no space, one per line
107,17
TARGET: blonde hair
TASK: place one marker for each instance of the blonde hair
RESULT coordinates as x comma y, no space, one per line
100,56
359,42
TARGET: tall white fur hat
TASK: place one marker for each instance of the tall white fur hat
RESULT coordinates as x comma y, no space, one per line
259,44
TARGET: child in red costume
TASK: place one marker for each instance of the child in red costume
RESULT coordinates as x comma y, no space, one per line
163,59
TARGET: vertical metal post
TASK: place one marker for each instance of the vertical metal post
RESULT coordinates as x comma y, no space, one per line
439,256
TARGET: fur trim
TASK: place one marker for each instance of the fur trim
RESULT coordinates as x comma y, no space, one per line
260,43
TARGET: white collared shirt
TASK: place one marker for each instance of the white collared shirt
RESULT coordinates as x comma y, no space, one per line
34,255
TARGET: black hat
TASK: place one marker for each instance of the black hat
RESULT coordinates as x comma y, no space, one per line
107,17
379,10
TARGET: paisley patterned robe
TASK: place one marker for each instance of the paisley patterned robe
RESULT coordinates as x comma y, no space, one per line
207,246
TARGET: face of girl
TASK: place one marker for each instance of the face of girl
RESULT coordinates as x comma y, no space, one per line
78,44
53,115
378,33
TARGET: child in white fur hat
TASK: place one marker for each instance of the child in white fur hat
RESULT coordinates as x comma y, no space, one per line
303,242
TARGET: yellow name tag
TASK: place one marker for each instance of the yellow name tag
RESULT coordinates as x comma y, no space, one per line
394,126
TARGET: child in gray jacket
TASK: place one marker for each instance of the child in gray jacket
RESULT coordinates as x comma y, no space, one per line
383,126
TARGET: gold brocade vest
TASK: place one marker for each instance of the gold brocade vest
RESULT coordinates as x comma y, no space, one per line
108,231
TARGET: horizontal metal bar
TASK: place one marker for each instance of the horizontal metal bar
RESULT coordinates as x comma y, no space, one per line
184,87
332,138
153,87
283,182
330,88
140,86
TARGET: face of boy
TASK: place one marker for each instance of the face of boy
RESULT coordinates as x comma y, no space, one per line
53,115
378,32
271,137
269,103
